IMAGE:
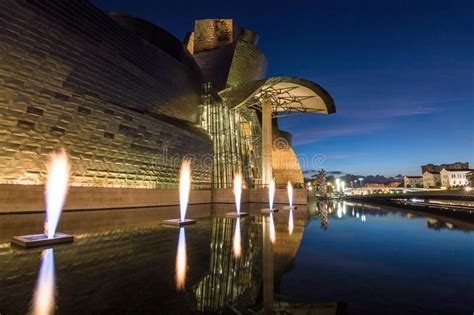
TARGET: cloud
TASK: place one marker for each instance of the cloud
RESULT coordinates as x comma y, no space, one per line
403,112
395,108
311,135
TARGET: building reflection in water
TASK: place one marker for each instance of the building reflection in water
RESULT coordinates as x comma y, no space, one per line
237,243
268,228
231,280
181,261
291,225
45,291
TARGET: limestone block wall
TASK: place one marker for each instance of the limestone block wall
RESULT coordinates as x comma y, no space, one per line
71,77
286,166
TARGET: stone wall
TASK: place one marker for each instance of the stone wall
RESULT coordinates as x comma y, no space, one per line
30,198
71,77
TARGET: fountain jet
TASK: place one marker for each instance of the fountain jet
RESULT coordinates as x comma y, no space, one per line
184,190
237,242
56,187
238,196
181,261
289,188
271,196
45,290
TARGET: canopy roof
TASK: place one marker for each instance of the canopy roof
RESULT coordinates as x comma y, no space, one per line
288,95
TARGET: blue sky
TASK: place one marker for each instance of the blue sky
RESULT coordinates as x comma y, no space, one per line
400,72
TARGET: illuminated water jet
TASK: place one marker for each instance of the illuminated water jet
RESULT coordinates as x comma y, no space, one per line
45,290
289,188
184,190
238,196
237,242
56,187
271,196
181,261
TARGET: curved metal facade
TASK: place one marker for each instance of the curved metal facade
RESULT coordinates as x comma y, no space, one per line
72,77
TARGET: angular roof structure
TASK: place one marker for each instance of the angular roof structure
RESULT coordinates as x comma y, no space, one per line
288,95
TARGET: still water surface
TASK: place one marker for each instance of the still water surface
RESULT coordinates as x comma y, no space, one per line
359,259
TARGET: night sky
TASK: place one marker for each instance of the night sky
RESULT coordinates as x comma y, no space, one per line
400,72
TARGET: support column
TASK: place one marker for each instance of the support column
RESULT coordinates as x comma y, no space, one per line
267,173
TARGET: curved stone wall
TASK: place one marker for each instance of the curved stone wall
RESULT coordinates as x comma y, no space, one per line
285,164
160,38
88,53
71,77
215,65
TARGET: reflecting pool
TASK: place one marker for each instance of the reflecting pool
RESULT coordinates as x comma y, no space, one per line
336,257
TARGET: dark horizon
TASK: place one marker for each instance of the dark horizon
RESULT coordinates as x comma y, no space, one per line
400,74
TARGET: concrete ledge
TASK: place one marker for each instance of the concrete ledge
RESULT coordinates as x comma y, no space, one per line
30,198
226,195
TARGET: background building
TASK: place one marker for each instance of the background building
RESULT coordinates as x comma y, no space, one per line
454,177
413,181
438,168
431,179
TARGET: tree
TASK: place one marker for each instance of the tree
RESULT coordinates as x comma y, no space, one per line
322,184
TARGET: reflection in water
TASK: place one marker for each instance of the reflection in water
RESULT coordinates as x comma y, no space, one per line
268,277
231,280
290,222
339,210
323,215
45,291
272,228
181,261
237,243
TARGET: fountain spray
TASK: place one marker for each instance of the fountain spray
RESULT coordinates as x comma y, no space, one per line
184,191
271,197
238,197
56,187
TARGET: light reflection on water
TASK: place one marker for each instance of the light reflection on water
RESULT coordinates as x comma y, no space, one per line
237,242
181,261
331,256
290,222
272,228
45,290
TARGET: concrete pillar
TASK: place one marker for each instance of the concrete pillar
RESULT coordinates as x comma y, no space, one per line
267,173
